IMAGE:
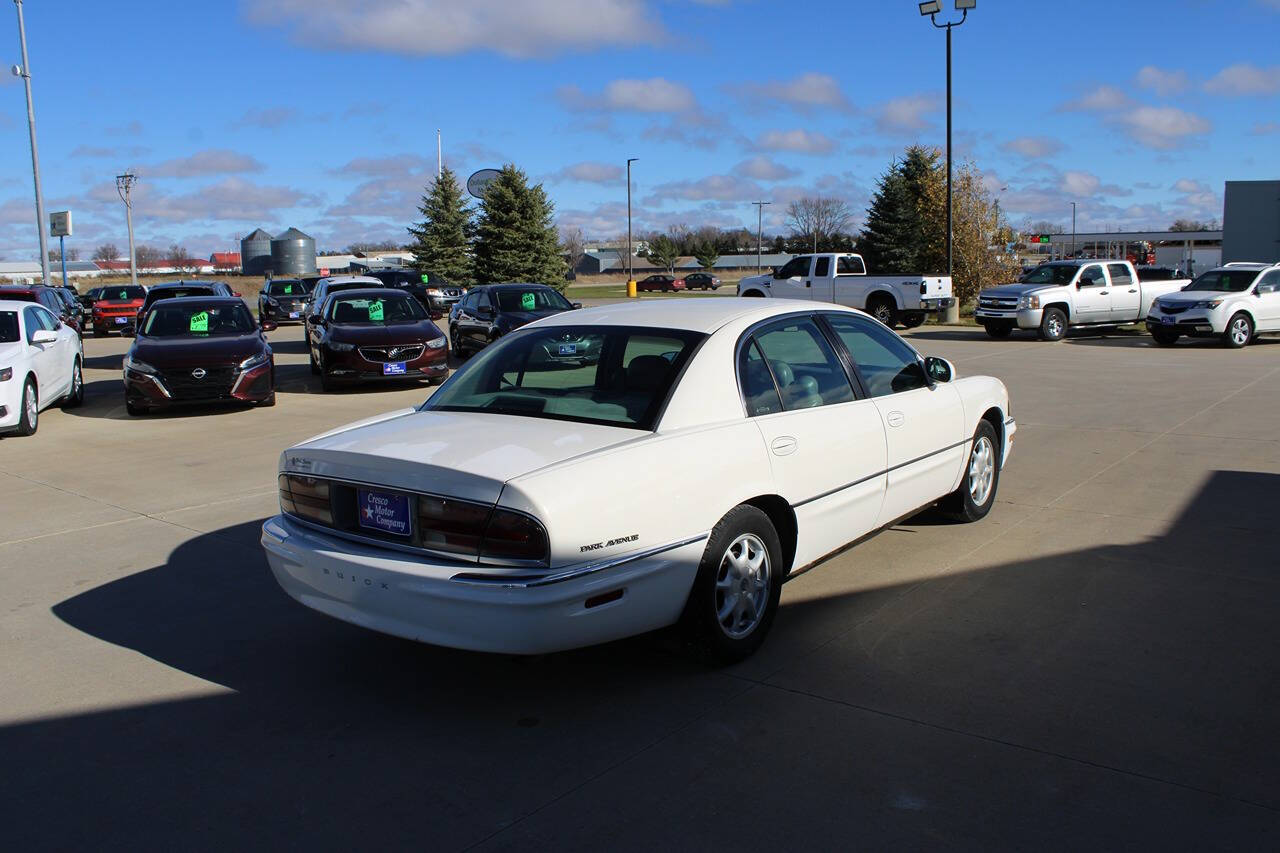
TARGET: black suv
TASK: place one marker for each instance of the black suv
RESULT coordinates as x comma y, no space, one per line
283,300
431,291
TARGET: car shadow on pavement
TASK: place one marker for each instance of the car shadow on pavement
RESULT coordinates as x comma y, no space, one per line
1113,696
105,362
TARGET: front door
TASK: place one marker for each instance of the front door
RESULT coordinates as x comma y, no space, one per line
793,281
826,447
1268,304
1093,296
1124,294
923,423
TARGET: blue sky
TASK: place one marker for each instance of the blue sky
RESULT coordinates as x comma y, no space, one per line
322,113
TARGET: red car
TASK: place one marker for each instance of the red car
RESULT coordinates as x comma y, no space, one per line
662,281
116,309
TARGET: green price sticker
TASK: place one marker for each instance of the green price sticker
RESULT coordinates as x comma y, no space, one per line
426,279
375,312
124,294
528,301
288,288
200,322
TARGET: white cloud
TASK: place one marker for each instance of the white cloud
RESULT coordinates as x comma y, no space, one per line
1163,82
906,113
215,161
711,188
528,28
1245,79
232,199
1265,128
764,169
268,118
591,173
1101,99
1033,147
1187,185
806,92
1162,128
655,95
799,141
1079,183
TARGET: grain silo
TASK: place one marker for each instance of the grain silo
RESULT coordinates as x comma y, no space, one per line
255,253
293,253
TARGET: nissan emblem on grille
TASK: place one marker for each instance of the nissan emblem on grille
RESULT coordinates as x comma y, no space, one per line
198,373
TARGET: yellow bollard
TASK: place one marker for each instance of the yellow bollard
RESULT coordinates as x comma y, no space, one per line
631,289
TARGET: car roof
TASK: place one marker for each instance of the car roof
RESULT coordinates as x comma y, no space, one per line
174,285
211,299
1248,266
511,285
344,279
357,292
15,304
695,315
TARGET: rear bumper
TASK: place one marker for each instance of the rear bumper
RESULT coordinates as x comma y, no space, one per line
933,304
104,325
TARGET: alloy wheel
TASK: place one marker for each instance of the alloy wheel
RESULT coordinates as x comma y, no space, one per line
32,406
742,586
982,470
1240,331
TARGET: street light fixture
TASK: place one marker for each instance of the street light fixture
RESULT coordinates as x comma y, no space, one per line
24,71
931,10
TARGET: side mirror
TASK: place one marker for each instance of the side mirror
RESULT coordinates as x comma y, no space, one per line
269,325
43,336
576,305
938,369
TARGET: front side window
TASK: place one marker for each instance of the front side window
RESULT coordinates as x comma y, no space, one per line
611,375
805,367
48,320
531,299
1272,279
886,363
1059,274
794,268
168,320
1091,276
1225,281
32,320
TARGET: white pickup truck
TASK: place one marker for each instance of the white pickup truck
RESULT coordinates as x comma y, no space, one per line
842,278
1065,294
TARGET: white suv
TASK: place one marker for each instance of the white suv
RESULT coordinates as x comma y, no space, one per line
1235,303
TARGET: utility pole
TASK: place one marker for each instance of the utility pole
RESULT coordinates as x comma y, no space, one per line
439,155
24,71
760,233
124,186
631,275
1073,229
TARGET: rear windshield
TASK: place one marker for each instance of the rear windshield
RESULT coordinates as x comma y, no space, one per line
198,321
288,288
533,299
612,375
1225,281
124,291
8,327
1051,274
375,311
179,292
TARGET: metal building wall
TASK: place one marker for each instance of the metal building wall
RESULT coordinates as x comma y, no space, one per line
1251,222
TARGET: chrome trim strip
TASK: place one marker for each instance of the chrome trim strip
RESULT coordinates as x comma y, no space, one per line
880,474
579,571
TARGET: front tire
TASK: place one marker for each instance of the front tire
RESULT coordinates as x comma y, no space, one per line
29,420
1239,331
134,409
1165,337
1053,325
977,492
735,595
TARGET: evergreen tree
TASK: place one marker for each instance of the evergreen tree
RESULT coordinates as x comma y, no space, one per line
663,252
516,238
707,255
901,234
442,239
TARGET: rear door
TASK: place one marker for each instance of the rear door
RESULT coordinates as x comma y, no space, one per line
823,277
1093,296
1126,300
826,446
850,284
923,423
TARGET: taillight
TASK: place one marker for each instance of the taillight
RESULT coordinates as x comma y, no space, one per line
924,288
454,527
512,536
306,497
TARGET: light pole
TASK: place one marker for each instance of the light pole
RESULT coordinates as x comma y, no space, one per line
24,71
760,232
631,275
1073,229
124,186
931,9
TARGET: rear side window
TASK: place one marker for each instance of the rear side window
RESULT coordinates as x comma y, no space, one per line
804,365
8,327
758,391
850,266
1120,275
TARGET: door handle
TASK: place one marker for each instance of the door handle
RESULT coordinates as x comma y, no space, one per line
1133,290
806,283
784,445
895,419
1104,292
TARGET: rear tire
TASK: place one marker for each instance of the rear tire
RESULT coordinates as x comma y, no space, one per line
883,310
29,420
1053,325
977,492
1165,338
734,598
1239,331
998,330
913,319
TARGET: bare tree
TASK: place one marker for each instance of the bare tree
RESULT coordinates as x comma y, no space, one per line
147,254
816,218
106,252
572,245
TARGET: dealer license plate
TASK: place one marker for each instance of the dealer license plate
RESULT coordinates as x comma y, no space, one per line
384,512
293,315
1168,321
393,368
120,321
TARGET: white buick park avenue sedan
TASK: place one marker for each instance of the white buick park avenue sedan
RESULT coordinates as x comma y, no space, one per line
611,471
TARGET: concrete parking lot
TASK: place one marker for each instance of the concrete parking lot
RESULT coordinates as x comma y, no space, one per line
1096,665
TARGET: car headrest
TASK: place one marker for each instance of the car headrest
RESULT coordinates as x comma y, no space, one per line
647,372
783,373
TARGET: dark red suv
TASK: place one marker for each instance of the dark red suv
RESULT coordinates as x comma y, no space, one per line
49,298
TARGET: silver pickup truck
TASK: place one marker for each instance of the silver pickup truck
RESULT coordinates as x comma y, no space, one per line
1066,294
